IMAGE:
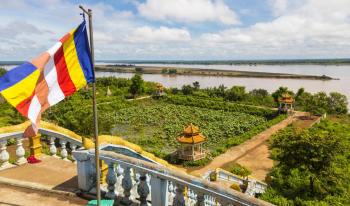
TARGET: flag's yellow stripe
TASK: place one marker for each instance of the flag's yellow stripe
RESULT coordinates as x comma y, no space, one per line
22,90
74,69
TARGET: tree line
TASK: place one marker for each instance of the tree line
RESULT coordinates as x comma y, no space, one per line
317,104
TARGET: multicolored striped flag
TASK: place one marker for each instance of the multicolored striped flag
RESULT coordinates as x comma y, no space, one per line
46,80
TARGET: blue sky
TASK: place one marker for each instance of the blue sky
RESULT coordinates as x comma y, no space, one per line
182,29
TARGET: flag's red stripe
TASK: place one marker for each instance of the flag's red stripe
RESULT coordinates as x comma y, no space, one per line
64,80
23,107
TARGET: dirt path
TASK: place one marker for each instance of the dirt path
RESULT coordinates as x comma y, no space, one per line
253,153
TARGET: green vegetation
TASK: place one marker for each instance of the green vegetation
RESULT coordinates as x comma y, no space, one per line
2,71
155,125
313,165
218,104
317,104
136,87
238,169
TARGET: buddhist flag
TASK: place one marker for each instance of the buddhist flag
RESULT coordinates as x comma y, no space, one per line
47,79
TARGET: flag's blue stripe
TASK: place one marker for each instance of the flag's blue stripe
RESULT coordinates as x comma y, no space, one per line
15,75
83,51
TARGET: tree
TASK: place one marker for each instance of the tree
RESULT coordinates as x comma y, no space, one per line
172,71
278,93
337,103
300,92
187,89
196,85
139,69
2,71
236,93
259,92
137,85
312,165
164,71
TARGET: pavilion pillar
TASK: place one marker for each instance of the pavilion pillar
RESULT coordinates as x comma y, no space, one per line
35,145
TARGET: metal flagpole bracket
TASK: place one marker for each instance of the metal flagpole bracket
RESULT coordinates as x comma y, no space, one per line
84,10
97,152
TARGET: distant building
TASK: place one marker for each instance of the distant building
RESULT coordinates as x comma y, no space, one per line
109,92
191,144
286,103
159,90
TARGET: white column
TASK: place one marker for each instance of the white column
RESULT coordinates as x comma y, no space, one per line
127,186
179,199
73,147
4,155
84,170
111,180
200,199
53,149
143,189
64,152
160,191
20,152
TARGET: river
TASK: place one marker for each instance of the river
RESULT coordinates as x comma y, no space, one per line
342,72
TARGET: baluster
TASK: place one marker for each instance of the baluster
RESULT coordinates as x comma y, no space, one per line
4,155
192,197
200,199
53,149
143,189
135,183
179,199
64,152
111,180
171,191
73,147
120,171
20,152
127,186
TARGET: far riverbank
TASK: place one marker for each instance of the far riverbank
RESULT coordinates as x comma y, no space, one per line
173,70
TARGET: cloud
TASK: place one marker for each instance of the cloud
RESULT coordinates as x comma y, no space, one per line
188,11
147,34
315,29
278,6
298,29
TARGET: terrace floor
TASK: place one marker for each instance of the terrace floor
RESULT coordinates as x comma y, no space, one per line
51,182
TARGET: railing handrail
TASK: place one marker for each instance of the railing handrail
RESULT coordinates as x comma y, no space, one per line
181,178
52,133
6,136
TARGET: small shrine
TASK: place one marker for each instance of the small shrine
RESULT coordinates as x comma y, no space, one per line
159,90
286,103
109,92
191,144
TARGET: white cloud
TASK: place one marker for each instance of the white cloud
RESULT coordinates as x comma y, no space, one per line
147,34
302,29
317,28
278,6
188,11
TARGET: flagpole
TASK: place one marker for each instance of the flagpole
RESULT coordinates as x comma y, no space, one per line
97,152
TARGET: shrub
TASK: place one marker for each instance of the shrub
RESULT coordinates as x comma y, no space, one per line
240,170
212,176
236,187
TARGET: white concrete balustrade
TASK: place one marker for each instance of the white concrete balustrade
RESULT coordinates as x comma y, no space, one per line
63,140
136,180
